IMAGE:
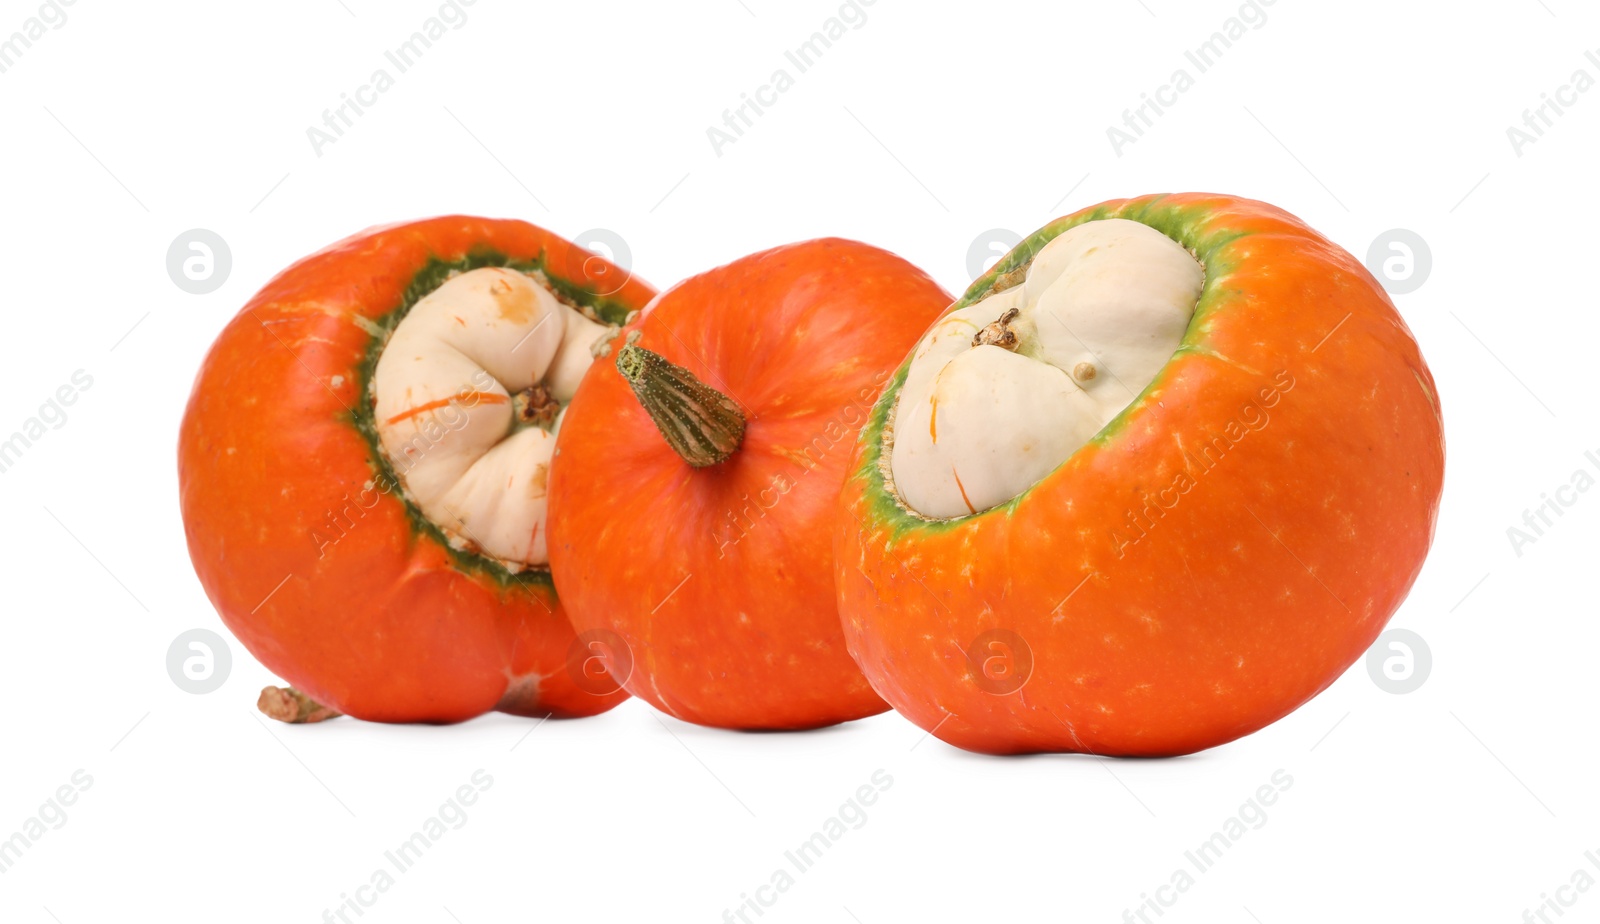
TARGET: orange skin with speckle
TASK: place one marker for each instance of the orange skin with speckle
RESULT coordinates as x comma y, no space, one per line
1211,560
718,580
318,568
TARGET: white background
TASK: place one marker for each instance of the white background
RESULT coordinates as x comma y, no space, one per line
1466,800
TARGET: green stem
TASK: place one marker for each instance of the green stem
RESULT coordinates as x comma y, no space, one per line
702,425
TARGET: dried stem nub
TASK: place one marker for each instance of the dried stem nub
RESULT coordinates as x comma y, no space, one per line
998,332
286,704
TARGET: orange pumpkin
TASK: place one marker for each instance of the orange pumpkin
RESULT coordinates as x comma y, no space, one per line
304,534
1214,556
691,497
